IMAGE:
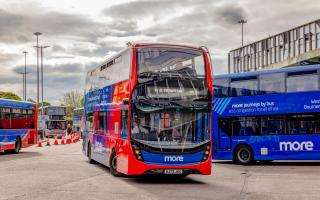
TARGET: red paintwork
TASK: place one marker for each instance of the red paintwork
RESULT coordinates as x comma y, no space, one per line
31,124
163,45
208,71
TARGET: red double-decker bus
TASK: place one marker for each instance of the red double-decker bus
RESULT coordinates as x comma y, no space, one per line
148,109
18,125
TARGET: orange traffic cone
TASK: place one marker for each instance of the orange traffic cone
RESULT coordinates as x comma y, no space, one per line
68,139
62,141
39,143
48,142
55,142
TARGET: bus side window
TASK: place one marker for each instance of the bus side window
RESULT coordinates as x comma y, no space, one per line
124,124
89,122
225,127
102,121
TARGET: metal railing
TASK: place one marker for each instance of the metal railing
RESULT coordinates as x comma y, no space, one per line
283,49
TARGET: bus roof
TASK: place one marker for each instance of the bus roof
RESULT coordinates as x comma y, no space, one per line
165,45
129,45
271,71
16,104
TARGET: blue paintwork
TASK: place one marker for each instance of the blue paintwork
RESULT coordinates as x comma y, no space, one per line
99,149
15,104
98,97
9,136
302,102
268,104
272,71
159,159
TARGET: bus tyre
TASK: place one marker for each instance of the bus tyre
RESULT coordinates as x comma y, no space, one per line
17,147
113,164
243,155
89,153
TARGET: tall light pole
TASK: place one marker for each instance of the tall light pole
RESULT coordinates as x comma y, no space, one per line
37,47
242,21
41,55
25,75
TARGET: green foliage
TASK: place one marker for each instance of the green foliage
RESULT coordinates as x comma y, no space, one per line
45,103
82,102
72,99
31,100
9,95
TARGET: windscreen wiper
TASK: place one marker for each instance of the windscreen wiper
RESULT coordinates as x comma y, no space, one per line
200,99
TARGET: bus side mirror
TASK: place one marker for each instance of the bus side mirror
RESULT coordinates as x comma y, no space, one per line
125,101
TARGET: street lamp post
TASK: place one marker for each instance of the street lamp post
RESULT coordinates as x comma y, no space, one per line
41,55
242,21
23,83
25,75
37,47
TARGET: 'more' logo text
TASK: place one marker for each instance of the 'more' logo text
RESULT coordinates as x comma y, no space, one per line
296,146
173,158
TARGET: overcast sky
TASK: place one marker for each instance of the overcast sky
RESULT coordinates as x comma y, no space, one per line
82,33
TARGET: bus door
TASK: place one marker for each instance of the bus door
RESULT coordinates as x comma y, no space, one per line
225,132
123,150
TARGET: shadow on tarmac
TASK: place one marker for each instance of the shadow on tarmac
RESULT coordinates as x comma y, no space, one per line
153,179
160,179
274,163
20,155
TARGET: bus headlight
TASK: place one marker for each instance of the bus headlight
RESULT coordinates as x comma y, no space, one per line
137,152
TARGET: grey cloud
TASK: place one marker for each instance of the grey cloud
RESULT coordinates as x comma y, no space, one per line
138,9
101,49
124,25
58,48
91,65
7,57
68,68
21,26
230,13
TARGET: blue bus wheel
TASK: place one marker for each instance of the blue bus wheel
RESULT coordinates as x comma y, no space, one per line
243,155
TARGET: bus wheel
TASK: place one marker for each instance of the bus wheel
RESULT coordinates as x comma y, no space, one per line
89,153
17,147
113,164
243,155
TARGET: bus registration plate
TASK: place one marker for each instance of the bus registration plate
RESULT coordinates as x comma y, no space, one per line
173,171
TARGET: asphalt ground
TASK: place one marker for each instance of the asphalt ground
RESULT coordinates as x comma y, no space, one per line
63,172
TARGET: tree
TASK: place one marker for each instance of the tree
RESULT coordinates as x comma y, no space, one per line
82,102
45,103
31,100
72,99
9,95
